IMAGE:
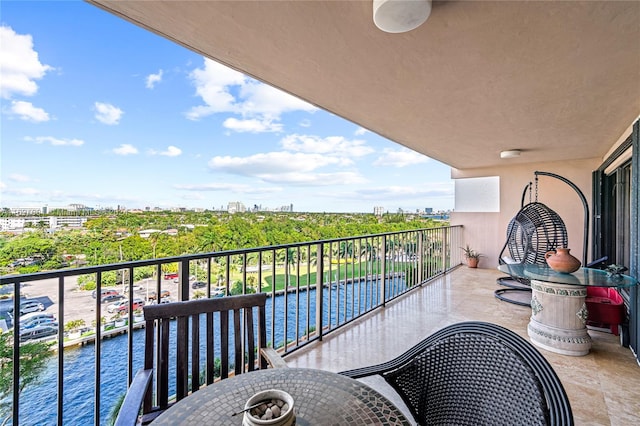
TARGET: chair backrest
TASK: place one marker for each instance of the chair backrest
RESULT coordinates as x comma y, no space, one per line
533,231
202,331
476,373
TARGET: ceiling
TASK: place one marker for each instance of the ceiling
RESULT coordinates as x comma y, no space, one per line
559,80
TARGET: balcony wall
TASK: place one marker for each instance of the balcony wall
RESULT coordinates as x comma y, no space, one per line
487,231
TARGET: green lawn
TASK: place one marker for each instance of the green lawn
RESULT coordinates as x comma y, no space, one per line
340,273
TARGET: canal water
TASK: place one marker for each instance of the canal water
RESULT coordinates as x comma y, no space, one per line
39,402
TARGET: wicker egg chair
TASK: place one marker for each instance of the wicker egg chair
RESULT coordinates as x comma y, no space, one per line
533,231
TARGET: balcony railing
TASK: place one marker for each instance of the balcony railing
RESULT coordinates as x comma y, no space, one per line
315,287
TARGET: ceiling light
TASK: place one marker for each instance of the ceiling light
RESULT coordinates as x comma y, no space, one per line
512,153
399,16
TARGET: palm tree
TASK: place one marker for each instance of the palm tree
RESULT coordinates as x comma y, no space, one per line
346,249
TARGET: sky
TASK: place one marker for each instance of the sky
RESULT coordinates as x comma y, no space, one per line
97,111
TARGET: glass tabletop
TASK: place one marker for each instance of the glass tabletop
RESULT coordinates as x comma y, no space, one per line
582,277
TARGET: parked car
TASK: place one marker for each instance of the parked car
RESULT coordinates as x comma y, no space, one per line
136,287
123,306
103,292
171,275
28,307
112,298
198,284
38,332
38,322
34,317
114,307
163,294
218,291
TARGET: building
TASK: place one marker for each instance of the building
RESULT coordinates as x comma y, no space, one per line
236,207
48,222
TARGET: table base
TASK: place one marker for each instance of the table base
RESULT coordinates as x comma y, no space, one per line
559,318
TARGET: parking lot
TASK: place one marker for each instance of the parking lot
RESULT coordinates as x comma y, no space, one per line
78,304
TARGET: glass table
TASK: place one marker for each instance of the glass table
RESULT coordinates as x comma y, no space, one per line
320,398
558,310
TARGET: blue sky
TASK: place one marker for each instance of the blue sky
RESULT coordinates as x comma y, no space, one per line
100,112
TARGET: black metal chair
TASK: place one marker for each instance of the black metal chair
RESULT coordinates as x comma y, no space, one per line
476,373
248,351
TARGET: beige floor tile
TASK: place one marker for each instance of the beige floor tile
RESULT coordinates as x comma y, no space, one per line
603,386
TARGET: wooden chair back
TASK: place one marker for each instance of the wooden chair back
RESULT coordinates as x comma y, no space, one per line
241,316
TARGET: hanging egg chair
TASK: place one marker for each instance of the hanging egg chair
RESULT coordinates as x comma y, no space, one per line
533,231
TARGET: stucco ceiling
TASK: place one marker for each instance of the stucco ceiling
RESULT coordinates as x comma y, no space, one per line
559,80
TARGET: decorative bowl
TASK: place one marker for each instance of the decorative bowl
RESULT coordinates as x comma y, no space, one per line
270,397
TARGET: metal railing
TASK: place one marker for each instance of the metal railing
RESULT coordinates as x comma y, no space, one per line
315,287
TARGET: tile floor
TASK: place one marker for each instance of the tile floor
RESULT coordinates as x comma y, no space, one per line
603,386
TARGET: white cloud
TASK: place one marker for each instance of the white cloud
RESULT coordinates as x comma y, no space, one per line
315,179
232,187
252,125
287,168
152,79
19,64
259,98
125,149
55,141
305,123
26,111
212,85
20,191
19,178
171,151
414,191
224,90
360,131
271,162
400,158
331,145
107,113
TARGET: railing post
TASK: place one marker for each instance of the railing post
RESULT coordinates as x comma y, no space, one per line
320,290
420,255
183,273
15,382
383,274
60,346
447,249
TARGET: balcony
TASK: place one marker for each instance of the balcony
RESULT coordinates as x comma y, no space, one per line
602,386
422,289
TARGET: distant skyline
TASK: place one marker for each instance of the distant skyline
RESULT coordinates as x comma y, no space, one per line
100,112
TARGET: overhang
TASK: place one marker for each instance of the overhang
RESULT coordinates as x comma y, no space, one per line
559,80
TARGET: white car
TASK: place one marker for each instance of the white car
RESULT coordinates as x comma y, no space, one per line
29,307
27,319
114,307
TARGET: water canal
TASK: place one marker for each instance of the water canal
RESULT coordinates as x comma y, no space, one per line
39,402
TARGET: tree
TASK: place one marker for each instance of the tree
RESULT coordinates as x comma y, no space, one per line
33,359
74,325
